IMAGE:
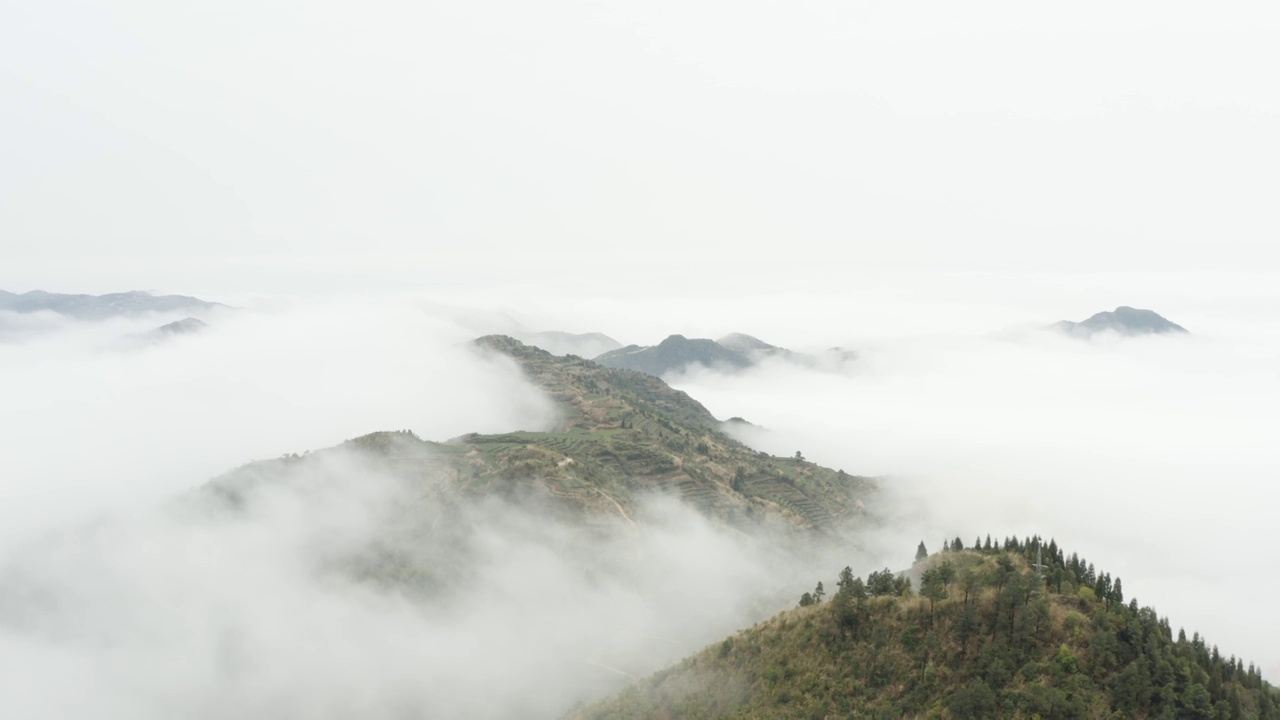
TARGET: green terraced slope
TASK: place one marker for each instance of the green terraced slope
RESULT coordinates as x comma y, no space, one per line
622,434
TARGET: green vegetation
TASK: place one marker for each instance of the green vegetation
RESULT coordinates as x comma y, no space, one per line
986,637
624,433
674,353
965,633
621,434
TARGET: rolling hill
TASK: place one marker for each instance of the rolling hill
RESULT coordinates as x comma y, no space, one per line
985,636
621,436
730,353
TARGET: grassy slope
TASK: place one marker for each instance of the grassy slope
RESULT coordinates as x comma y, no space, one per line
625,432
621,434
674,353
1002,652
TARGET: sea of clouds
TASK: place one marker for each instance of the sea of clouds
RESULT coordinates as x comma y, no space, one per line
127,593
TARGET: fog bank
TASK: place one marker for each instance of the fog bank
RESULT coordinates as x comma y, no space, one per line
341,588
96,420
1154,457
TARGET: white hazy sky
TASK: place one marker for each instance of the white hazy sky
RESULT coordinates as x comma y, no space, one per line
272,146
921,181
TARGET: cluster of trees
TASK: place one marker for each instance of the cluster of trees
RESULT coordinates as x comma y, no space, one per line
851,589
1059,568
990,642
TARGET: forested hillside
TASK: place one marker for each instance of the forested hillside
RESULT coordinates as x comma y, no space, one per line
983,632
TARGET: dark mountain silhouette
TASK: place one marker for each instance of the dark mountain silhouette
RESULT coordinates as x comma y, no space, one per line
99,307
185,326
1123,320
675,353
732,352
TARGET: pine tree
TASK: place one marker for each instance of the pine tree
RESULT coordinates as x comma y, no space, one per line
957,545
921,552
902,586
848,601
858,590
971,582
946,573
932,587
1004,568
1102,588
846,578
881,582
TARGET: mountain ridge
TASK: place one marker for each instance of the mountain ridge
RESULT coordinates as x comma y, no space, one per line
622,435
733,352
100,307
1124,320
674,353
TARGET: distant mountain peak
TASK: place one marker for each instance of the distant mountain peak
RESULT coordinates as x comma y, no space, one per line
185,326
556,342
735,351
98,307
676,352
1124,320
746,343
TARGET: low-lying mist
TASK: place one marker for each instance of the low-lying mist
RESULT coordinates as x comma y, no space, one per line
343,587
1153,457
94,418
336,587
